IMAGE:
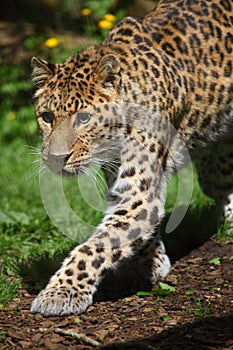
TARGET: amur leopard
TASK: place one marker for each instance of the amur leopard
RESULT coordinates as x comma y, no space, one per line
154,88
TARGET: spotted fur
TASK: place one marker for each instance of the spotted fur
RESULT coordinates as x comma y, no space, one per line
155,87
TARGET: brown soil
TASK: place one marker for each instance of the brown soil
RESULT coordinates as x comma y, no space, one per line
197,315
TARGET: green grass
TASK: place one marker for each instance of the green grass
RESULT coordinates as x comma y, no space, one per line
27,234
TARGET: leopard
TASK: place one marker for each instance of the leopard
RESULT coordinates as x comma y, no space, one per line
156,88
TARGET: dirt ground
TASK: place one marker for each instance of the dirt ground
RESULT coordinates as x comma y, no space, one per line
197,315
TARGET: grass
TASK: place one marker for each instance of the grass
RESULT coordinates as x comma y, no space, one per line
27,234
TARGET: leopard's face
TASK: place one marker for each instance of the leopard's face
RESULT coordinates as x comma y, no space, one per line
78,121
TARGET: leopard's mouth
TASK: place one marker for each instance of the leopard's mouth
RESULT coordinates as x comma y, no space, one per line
66,165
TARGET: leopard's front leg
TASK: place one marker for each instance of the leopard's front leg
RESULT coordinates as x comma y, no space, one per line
136,206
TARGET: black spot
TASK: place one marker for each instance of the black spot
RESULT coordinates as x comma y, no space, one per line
169,49
198,97
211,98
137,39
147,41
206,122
143,47
81,276
116,256
175,92
144,63
228,69
136,204
131,157
86,250
69,281
125,32
96,263
81,265
122,225
155,72
69,272
152,148
81,286
154,216
91,281
153,58
145,184
137,243
103,234
161,150
121,212
181,45
180,26
134,233
115,242
79,75
99,247
157,37
229,42
142,215
214,74
128,173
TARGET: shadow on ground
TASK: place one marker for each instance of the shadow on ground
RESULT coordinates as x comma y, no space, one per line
209,333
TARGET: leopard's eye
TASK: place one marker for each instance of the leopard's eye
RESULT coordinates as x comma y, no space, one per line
47,117
82,118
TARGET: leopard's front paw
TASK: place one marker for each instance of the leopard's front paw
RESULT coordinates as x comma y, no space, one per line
161,264
60,301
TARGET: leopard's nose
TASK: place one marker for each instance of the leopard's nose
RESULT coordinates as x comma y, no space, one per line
61,158
56,162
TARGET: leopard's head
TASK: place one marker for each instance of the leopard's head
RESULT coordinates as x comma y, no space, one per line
79,110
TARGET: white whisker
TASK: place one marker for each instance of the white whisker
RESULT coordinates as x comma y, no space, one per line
33,150
36,171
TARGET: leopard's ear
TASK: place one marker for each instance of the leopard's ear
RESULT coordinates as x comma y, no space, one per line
42,71
107,67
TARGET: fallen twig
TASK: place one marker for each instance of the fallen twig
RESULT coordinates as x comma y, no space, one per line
72,334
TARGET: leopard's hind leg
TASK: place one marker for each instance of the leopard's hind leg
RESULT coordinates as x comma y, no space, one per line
215,170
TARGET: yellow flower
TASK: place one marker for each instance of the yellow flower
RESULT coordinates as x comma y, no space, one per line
109,17
86,12
103,24
11,116
51,42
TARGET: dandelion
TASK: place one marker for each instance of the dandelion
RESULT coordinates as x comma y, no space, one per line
104,24
109,17
11,116
51,42
86,12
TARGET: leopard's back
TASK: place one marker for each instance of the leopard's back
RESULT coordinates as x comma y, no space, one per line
185,64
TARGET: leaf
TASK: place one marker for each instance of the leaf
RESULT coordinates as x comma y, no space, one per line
189,292
167,287
144,294
231,259
166,318
215,261
126,300
77,320
164,289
